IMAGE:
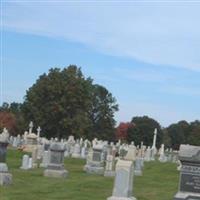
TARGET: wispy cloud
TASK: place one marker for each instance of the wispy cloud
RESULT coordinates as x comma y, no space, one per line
157,33
182,90
142,74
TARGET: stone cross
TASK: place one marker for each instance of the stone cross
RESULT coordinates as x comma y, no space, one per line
38,131
30,127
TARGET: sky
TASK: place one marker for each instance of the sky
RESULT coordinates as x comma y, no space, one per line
146,53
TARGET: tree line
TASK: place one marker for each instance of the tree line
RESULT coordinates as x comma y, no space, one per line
65,102
142,129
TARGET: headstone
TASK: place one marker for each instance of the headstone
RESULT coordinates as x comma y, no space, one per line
56,167
34,158
77,151
83,152
25,162
95,162
138,167
123,185
5,176
67,150
147,156
31,143
162,157
15,142
45,159
40,151
30,163
131,154
189,185
110,164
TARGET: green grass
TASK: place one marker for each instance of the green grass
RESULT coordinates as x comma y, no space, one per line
159,182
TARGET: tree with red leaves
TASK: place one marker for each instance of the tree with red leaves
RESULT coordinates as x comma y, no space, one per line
8,121
122,130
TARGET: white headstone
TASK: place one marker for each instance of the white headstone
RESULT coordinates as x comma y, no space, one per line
123,186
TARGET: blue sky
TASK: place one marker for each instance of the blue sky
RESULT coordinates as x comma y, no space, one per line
147,53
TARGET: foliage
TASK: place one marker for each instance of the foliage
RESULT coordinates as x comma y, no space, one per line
101,113
11,117
143,131
64,102
177,133
7,120
194,136
122,130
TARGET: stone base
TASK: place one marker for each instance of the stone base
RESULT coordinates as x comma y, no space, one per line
34,165
137,173
121,198
24,168
76,156
94,169
43,165
186,196
5,178
109,173
56,173
29,148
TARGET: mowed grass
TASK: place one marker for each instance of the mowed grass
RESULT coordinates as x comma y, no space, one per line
159,182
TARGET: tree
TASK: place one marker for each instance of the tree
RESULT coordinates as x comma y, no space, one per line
101,113
122,130
143,131
64,102
178,133
12,118
194,133
7,120
166,139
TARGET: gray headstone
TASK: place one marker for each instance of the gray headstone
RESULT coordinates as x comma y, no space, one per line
189,187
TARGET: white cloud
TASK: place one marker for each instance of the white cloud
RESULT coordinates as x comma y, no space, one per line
157,33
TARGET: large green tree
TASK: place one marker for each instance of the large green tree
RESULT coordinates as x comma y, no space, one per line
64,102
178,133
143,130
101,113
193,137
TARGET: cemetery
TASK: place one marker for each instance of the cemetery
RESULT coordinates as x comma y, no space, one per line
99,100
57,169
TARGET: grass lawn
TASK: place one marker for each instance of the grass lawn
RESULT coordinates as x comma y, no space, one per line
159,182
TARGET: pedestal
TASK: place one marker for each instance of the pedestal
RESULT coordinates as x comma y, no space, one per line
94,169
56,173
121,198
186,196
109,173
5,176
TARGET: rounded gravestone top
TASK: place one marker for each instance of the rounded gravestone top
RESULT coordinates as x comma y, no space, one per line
189,153
4,136
56,146
3,167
